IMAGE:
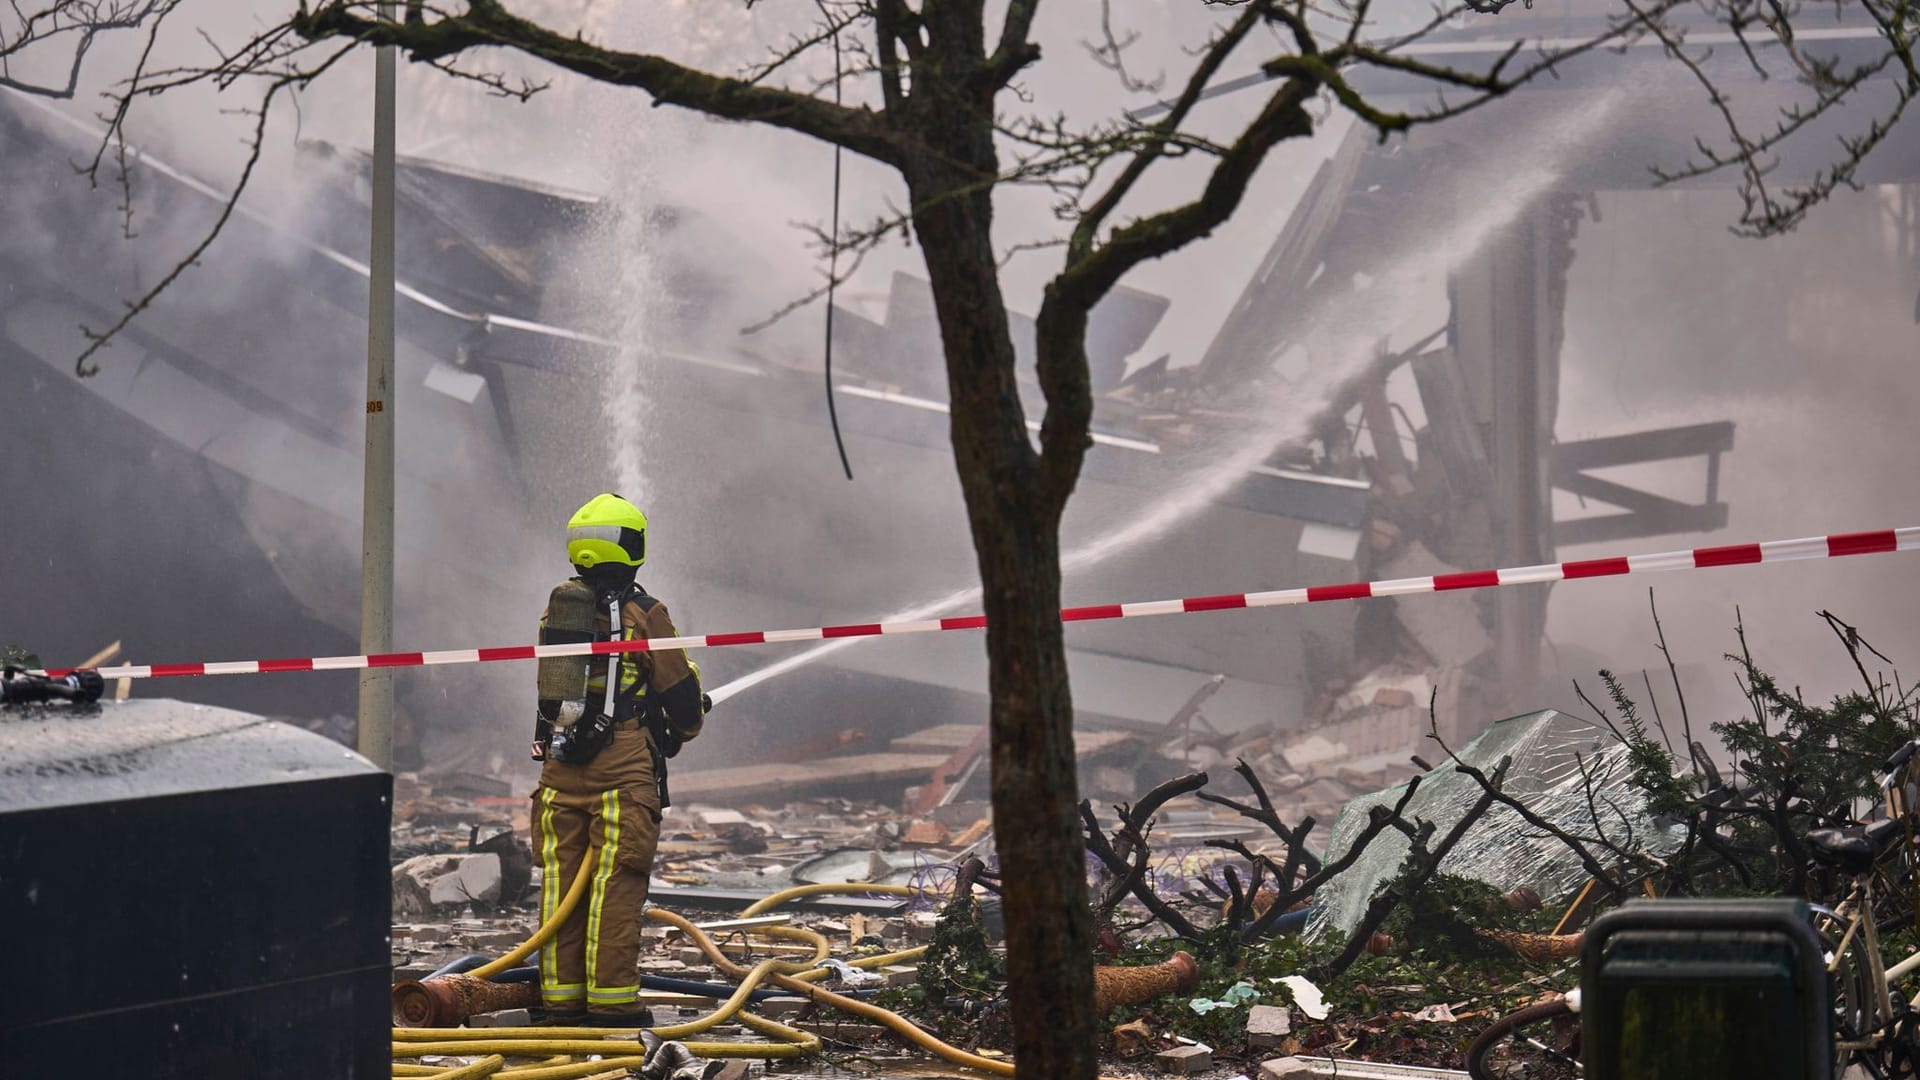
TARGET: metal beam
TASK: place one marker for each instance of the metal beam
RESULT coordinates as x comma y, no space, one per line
1648,514
1620,495
1661,445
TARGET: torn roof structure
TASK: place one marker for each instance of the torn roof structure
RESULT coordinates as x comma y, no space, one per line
252,369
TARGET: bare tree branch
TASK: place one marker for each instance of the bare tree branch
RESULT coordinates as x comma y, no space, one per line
97,340
1015,52
486,23
75,25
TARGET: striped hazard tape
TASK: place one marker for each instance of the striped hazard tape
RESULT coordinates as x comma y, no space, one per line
1813,547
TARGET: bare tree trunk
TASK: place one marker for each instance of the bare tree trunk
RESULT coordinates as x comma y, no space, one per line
1015,521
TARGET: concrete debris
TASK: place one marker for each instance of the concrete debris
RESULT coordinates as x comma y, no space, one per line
1268,1026
926,834
1133,1038
1393,697
742,838
413,880
475,878
1184,1060
900,975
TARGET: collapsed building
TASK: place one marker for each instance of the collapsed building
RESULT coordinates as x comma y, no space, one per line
241,390
236,531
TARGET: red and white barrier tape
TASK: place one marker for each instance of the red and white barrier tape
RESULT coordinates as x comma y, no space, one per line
1815,547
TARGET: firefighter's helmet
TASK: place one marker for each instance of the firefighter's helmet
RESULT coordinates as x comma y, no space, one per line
609,529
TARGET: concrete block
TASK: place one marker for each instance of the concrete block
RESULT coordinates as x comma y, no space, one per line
413,881
690,955
1184,1060
1284,1068
1268,1026
776,1008
899,975
475,878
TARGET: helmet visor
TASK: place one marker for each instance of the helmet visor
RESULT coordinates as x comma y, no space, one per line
589,545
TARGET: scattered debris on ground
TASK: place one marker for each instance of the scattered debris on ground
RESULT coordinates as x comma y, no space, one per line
1288,916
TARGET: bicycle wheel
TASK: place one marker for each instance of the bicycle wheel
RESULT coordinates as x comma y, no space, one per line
1860,1020
1505,1033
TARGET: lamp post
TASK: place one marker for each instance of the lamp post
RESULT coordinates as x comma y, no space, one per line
376,533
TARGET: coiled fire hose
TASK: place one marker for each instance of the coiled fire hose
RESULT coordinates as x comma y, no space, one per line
568,1042
795,976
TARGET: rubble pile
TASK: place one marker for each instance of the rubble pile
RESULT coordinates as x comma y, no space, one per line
464,881
465,885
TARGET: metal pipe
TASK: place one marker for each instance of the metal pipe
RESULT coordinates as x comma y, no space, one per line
1134,985
447,1000
376,523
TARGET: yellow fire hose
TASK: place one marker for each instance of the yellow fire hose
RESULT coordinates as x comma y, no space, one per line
579,1070
892,1020
794,975
551,926
566,1042
486,1066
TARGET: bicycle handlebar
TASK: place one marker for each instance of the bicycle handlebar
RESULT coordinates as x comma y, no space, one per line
1898,758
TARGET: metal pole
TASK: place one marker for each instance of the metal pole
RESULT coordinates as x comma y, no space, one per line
376,536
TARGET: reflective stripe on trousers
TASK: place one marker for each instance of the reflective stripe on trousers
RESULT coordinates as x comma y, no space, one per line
595,954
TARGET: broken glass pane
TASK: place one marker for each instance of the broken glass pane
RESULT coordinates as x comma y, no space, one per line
1550,751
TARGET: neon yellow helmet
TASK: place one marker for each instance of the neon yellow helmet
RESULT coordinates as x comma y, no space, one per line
609,529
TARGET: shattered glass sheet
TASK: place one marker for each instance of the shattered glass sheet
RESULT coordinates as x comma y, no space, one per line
1549,750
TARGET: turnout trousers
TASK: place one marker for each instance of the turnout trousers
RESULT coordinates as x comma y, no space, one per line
592,962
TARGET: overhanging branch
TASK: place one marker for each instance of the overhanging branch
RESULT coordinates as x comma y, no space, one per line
486,23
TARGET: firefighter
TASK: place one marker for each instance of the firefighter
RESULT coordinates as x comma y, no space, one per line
604,747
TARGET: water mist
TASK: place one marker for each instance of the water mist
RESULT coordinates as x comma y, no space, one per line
1339,335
